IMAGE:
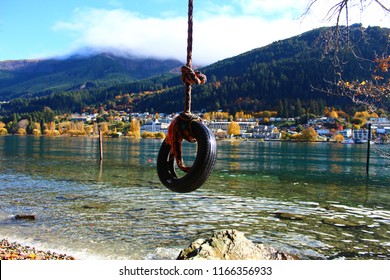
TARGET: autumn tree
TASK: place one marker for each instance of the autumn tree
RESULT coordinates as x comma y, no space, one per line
207,116
373,91
234,128
104,127
95,128
266,114
135,129
241,115
3,130
37,129
338,138
309,135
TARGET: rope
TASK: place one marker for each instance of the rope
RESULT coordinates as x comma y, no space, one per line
180,128
189,76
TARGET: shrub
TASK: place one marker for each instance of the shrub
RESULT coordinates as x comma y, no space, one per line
160,135
339,138
21,131
3,131
76,133
148,134
133,134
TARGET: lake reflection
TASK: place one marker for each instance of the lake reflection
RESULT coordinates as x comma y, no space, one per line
313,200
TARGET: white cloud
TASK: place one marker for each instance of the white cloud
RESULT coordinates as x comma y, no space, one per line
125,30
216,36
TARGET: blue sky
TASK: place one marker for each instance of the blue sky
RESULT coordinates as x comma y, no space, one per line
33,29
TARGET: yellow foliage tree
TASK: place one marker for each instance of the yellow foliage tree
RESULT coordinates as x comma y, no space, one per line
266,114
3,131
104,127
309,135
334,114
36,132
207,116
219,116
135,129
234,128
89,129
339,138
95,128
242,115
21,131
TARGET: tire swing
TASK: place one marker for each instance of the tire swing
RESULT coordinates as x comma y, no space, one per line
187,127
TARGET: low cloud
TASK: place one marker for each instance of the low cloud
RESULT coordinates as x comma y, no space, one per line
216,36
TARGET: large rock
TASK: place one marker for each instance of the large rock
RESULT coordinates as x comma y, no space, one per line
230,245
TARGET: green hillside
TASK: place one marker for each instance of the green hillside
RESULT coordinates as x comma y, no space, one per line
43,77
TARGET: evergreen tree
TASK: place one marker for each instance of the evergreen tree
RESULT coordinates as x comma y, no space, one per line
31,125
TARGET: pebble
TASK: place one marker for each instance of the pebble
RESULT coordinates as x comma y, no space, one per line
15,251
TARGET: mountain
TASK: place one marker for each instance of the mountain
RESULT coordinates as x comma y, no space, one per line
279,77
28,78
282,72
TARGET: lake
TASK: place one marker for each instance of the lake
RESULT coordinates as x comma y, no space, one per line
313,200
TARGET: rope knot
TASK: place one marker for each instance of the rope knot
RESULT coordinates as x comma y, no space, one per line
189,76
179,130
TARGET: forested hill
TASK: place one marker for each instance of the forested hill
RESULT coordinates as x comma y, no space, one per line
275,77
278,74
28,78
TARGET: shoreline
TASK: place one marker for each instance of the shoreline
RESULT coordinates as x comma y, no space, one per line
15,251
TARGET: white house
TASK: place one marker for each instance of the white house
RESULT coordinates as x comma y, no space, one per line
154,126
347,133
323,131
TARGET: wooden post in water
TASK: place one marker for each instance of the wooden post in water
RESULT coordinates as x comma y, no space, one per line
368,149
101,145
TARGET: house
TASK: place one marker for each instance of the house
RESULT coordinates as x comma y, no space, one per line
347,133
323,132
245,126
154,126
216,126
360,134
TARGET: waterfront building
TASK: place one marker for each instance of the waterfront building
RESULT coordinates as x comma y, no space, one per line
361,134
347,133
154,126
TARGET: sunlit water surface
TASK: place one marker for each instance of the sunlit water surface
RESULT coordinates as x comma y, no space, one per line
311,200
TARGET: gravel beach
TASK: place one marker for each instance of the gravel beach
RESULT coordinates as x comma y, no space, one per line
15,251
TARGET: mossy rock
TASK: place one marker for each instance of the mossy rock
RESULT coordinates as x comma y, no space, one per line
343,223
289,216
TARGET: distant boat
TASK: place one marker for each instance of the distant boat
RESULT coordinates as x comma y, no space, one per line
360,141
348,141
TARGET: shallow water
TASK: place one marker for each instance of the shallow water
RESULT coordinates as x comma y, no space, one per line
312,200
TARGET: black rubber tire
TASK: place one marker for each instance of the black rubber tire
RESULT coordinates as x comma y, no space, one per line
201,169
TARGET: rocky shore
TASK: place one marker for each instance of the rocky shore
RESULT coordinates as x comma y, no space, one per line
15,251
221,245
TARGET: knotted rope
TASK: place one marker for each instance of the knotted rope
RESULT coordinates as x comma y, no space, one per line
189,76
180,128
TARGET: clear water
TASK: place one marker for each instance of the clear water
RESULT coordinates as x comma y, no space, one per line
311,200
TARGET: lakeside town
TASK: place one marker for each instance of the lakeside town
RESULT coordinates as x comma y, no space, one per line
333,126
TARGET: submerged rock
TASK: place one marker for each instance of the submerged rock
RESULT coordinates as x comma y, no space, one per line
289,216
343,223
25,217
230,245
